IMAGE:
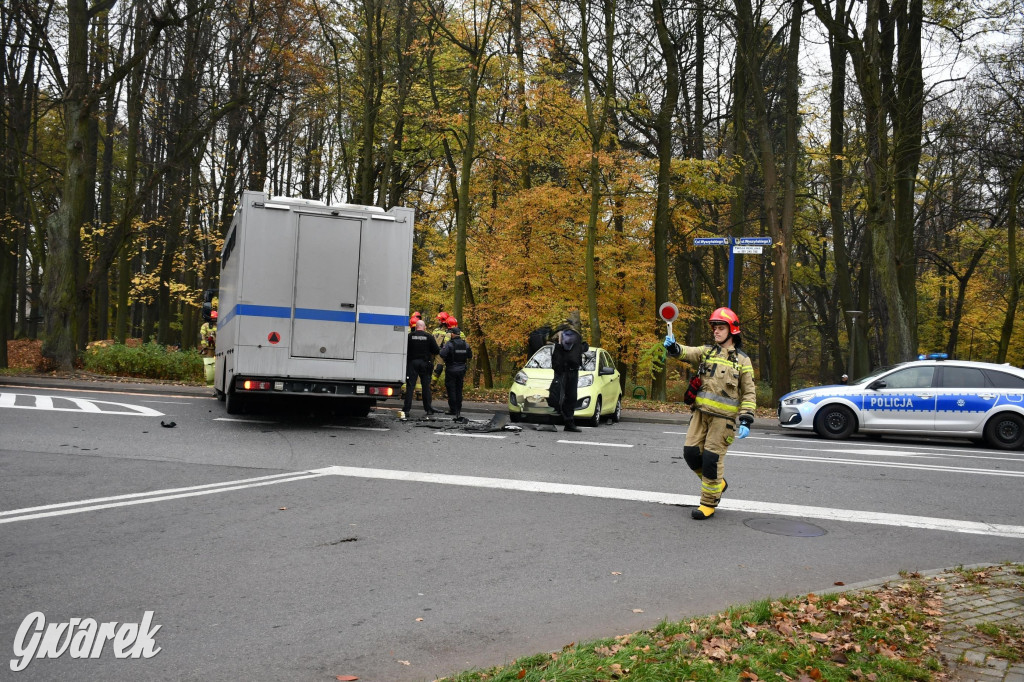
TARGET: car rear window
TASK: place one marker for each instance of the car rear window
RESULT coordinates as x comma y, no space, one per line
1004,379
542,359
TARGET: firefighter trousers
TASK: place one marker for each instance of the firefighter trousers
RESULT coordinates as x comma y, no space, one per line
707,440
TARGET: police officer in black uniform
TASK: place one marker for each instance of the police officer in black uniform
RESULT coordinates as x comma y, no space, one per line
422,349
456,354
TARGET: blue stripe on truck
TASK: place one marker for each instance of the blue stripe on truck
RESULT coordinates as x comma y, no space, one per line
325,315
380,318
250,310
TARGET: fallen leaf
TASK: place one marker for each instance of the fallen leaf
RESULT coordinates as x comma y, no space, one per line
616,573
419,620
820,636
747,675
405,662
839,582
346,678
282,508
638,610
522,674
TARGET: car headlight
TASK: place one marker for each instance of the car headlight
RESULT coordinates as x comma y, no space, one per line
521,378
794,401
585,380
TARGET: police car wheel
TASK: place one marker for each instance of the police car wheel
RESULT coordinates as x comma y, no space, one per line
617,414
835,422
1005,431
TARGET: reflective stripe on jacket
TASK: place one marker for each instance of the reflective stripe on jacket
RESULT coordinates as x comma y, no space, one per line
728,389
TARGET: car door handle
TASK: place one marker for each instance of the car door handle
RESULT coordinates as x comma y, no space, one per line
925,397
986,396
347,305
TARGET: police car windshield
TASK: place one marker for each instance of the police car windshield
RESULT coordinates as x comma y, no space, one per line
542,359
874,375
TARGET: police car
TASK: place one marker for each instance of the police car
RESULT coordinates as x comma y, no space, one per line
931,396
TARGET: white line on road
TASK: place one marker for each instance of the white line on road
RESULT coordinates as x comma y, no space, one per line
468,435
806,512
355,428
45,402
63,508
875,463
879,518
85,390
587,442
675,433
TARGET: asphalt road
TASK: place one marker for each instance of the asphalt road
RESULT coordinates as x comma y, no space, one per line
295,546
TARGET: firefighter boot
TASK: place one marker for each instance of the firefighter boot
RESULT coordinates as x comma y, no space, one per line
702,513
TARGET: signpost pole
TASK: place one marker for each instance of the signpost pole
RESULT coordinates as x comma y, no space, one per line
731,260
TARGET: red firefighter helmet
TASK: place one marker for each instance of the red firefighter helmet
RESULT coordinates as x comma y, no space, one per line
213,315
452,322
442,317
729,317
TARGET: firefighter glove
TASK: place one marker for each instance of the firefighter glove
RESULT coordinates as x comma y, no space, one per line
743,431
670,341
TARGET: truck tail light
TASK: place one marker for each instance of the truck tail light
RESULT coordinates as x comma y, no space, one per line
382,390
250,385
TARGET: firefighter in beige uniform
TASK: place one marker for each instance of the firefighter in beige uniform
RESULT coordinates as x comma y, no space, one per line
726,397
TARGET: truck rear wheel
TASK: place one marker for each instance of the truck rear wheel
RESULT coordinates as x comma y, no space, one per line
233,403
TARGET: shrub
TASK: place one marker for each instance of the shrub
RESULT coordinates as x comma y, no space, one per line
151,361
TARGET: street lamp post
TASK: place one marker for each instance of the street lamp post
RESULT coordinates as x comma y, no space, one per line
853,339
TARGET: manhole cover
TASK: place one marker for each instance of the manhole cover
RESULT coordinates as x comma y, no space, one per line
794,529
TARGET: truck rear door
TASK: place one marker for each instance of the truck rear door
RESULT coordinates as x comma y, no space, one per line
326,279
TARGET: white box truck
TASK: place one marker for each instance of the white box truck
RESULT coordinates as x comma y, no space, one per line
314,301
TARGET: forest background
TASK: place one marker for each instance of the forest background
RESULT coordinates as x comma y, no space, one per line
561,156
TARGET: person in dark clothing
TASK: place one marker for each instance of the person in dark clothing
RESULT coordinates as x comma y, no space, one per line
456,354
538,338
566,360
419,359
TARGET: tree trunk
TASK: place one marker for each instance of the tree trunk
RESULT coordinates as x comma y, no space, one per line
662,215
1015,275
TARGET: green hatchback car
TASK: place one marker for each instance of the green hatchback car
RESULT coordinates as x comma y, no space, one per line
598,392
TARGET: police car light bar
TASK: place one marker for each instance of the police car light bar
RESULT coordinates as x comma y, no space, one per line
933,356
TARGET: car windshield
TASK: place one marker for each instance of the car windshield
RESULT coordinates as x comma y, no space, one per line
542,359
874,375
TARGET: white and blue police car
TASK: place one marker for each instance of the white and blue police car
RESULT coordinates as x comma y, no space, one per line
931,396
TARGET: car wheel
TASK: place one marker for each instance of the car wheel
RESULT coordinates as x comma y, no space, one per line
233,403
595,421
1005,431
515,416
617,414
835,422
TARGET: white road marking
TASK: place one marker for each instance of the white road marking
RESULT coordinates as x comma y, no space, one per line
164,402
887,453
65,508
244,421
875,463
877,518
468,435
847,515
85,390
587,442
355,428
675,433
88,405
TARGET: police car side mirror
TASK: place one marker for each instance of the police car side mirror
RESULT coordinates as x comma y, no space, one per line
875,385
607,371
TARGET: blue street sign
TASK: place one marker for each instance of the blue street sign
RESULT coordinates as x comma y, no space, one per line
710,241
754,241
